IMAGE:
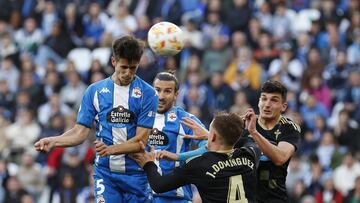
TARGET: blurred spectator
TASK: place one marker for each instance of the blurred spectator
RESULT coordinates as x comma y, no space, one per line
254,32
51,83
30,86
303,46
240,103
4,144
193,66
8,48
326,150
9,72
73,90
288,68
298,192
352,95
264,15
192,35
94,22
314,65
30,37
23,133
73,23
217,57
13,190
95,68
281,24
238,40
333,42
224,95
328,12
347,135
31,176
7,98
246,67
311,109
354,194
266,52
49,17
214,28
121,23
336,76
240,10
354,24
319,90
313,179
353,51
297,171
67,191
329,194
56,46
144,26
345,175
53,107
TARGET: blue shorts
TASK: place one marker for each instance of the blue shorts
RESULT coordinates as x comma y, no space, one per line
121,187
159,199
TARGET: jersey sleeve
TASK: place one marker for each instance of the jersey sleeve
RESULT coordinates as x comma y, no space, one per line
149,105
291,134
87,111
164,183
187,155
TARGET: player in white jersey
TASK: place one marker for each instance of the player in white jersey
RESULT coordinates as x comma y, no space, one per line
123,107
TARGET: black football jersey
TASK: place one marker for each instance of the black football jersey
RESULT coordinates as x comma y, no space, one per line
271,178
219,177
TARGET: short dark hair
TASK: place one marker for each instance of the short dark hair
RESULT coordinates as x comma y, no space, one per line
128,47
230,126
168,76
272,86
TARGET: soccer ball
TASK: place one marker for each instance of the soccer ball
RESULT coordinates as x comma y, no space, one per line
165,39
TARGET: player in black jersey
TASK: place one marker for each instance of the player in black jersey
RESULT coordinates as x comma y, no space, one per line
277,137
223,174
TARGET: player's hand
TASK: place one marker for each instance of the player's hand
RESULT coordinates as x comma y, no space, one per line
143,156
250,121
102,148
45,144
163,154
200,133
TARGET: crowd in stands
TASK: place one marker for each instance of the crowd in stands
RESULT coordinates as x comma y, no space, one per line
51,50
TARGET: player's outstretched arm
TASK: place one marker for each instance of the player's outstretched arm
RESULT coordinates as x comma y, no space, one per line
72,137
130,146
278,154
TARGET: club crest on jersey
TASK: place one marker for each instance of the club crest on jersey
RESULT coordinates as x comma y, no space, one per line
119,116
158,138
136,92
172,116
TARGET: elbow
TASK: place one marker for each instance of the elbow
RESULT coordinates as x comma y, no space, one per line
280,161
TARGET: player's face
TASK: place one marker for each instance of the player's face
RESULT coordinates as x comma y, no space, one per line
271,105
124,70
166,93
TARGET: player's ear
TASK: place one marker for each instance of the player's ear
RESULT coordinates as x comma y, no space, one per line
113,61
284,107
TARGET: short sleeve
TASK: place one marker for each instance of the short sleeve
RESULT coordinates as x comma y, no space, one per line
87,111
291,134
149,105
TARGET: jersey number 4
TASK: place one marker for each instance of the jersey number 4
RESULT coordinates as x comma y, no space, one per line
236,192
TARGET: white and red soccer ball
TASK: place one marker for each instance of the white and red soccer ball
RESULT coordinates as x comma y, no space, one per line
165,39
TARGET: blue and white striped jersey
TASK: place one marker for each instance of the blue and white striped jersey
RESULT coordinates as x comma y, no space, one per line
117,111
167,134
